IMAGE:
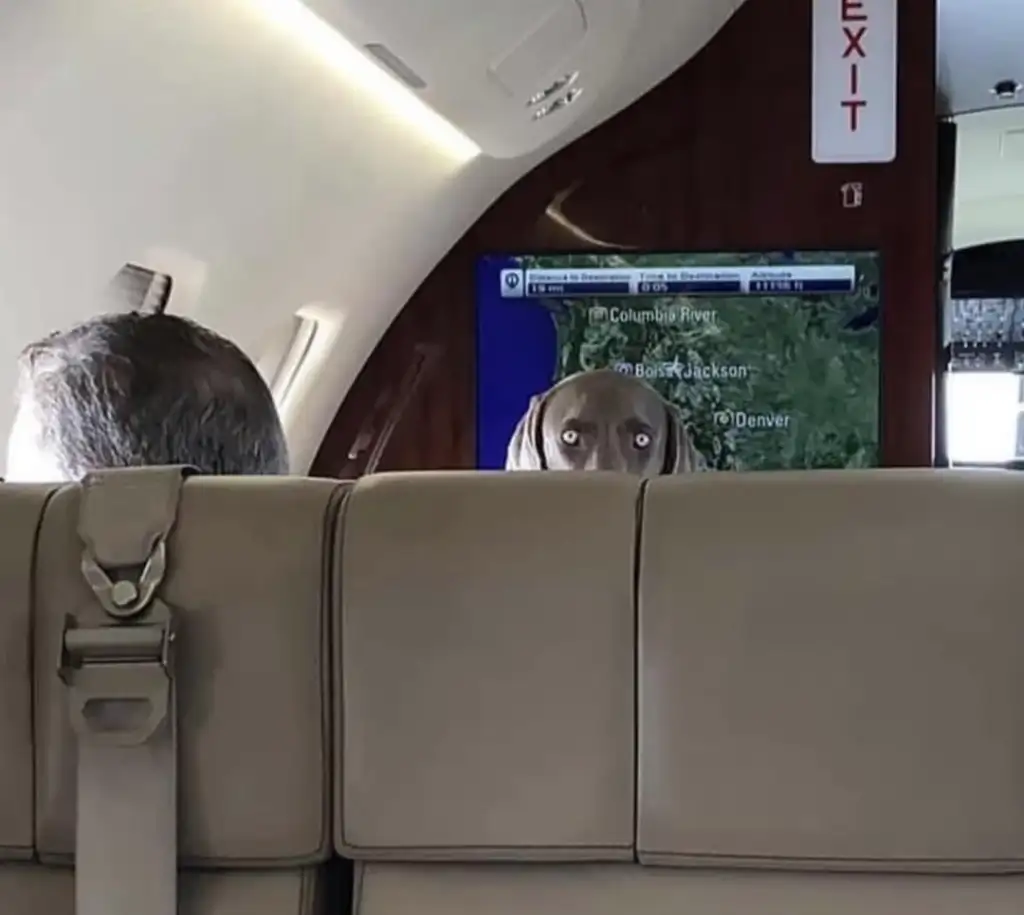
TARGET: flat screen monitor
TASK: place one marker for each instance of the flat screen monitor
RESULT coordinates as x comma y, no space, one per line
772,357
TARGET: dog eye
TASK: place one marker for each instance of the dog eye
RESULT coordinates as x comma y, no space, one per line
641,440
570,437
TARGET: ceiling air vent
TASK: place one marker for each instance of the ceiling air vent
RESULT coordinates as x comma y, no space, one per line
559,104
1006,90
384,55
557,86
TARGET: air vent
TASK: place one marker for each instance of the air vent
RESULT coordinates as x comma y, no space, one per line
384,55
557,86
1006,90
558,104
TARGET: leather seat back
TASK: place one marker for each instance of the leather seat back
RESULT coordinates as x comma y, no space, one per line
786,693
485,669
827,683
21,514
832,672
248,577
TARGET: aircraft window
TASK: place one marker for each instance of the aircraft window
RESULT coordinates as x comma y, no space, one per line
135,288
288,369
984,419
984,385
282,356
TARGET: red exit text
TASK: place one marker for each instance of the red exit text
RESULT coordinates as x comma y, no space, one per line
855,25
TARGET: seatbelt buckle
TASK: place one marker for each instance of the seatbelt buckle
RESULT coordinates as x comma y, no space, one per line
119,676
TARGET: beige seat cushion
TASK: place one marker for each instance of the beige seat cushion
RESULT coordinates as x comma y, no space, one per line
629,889
486,666
30,889
832,671
21,511
249,574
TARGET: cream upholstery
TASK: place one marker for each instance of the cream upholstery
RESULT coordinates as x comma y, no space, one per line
486,669
830,678
21,512
630,889
32,889
832,671
540,679
249,575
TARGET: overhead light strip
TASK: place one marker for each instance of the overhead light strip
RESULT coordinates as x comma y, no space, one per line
321,38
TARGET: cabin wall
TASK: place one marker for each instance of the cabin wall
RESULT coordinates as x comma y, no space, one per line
715,158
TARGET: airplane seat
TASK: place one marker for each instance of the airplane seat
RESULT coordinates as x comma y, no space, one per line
203,604
823,714
21,512
831,673
485,670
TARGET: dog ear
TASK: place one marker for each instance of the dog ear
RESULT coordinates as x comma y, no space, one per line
680,454
526,447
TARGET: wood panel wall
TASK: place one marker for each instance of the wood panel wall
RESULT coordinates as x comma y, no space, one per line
717,157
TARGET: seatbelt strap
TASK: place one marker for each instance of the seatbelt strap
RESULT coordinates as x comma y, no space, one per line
117,663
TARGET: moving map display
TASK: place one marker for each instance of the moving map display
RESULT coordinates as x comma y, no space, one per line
773,358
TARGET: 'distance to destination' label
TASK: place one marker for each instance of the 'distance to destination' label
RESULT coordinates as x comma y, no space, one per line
814,279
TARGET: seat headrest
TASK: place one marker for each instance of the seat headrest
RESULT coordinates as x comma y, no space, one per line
486,667
785,670
21,511
832,671
248,577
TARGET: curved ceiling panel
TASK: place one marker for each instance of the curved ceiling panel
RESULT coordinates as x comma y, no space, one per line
512,75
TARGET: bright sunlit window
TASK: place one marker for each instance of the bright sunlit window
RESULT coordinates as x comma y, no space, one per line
983,410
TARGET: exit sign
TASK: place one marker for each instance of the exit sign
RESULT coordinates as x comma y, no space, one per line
853,81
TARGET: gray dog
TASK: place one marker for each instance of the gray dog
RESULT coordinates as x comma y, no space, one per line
602,420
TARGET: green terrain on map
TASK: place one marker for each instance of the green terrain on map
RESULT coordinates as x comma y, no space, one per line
771,382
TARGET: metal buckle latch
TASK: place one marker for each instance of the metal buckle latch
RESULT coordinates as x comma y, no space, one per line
119,676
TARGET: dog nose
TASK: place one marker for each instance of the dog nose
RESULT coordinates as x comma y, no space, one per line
605,459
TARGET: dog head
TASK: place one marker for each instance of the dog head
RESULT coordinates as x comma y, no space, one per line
602,420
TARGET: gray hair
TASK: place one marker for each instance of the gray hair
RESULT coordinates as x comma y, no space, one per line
125,390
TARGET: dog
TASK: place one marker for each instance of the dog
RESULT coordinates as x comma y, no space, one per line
603,420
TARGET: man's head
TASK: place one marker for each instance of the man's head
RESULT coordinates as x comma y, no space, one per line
128,390
602,420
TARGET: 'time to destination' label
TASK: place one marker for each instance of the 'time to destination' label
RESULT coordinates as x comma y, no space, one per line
819,279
